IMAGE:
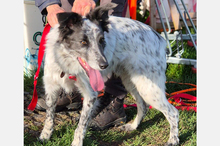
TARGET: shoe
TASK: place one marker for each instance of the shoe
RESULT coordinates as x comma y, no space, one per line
112,115
104,101
65,101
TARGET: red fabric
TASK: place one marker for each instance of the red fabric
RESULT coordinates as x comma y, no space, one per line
132,8
183,105
46,30
72,77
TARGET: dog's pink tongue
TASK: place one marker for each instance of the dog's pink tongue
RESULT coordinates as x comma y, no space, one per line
95,78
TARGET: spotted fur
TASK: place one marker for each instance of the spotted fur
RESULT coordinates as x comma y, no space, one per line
134,52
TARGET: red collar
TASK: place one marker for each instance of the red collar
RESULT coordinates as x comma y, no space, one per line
72,77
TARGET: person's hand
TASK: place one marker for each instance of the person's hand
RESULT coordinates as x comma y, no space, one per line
52,11
83,7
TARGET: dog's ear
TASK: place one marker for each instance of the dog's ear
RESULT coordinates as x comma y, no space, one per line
69,22
69,19
99,15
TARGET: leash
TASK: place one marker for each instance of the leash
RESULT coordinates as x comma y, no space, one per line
46,30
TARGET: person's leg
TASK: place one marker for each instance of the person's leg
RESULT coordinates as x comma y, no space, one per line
115,87
110,111
65,101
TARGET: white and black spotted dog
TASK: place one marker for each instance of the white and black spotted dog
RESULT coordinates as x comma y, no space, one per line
92,48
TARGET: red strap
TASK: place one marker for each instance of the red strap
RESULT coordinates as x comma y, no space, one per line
46,30
183,95
184,106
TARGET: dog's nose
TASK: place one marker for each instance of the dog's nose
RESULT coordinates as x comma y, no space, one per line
103,65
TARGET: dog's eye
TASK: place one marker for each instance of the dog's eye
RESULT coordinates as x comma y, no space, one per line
101,40
84,42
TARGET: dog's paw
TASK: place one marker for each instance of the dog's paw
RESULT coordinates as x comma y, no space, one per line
172,141
170,144
42,141
126,127
44,137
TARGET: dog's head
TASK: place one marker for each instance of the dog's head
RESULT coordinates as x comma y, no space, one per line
84,37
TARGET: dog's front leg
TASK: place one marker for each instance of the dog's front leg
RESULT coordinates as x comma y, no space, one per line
88,102
51,98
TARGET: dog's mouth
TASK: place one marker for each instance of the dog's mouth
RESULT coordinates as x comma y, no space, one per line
95,78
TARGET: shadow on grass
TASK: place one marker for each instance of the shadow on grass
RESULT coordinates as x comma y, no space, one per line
185,136
29,139
118,140
153,118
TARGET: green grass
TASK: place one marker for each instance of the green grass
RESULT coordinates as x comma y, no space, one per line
29,80
154,130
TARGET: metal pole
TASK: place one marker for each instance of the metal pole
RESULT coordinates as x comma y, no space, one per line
187,28
168,24
165,32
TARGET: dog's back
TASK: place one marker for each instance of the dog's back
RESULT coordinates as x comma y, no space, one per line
132,45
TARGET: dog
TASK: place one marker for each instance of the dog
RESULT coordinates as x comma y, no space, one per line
92,48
